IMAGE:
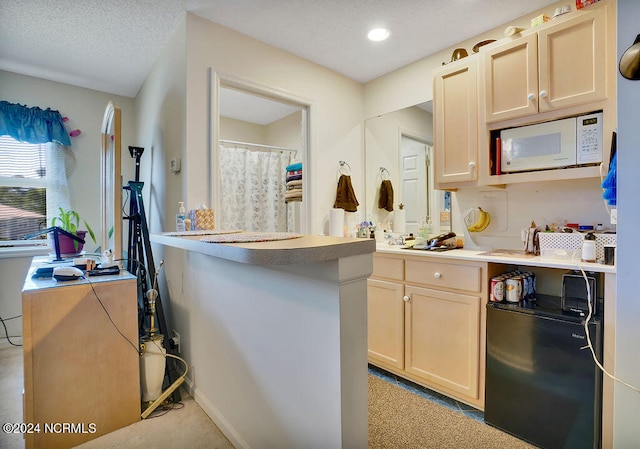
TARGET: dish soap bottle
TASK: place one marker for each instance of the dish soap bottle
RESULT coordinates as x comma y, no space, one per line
180,227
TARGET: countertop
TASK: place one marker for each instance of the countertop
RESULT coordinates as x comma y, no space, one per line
32,284
305,249
513,257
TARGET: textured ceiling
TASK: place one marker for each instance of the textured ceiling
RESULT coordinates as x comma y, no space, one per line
111,45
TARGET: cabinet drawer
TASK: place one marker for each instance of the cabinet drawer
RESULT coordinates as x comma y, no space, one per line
444,275
388,267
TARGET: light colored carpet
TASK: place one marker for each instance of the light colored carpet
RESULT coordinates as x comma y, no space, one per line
398,419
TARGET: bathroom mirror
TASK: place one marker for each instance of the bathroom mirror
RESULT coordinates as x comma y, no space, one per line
399,147
260,137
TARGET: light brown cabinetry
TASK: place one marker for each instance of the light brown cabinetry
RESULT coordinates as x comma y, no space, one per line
77,368
561,65
455,94
441,345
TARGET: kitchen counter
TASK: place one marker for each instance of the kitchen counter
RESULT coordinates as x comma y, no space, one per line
305,249
275,334
513,257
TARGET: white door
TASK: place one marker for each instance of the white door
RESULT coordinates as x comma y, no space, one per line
413,180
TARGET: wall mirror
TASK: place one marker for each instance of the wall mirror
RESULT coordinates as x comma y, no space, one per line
399,147
111,181
259,147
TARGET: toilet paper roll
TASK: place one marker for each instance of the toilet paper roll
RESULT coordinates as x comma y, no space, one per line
400,221
336,222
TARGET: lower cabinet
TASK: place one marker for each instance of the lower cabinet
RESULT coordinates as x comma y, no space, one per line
442,339
385,310
426,322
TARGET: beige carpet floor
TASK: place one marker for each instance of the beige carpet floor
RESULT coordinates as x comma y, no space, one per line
398,419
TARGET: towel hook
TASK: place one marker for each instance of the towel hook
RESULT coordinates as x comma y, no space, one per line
382,173
342,169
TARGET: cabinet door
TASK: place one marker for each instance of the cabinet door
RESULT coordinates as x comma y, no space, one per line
456,122
572,59
442,339
511,79
385,314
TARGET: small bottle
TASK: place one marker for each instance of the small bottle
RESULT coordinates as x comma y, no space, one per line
589,248
180,216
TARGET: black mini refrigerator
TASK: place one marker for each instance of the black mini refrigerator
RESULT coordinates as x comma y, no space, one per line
542,384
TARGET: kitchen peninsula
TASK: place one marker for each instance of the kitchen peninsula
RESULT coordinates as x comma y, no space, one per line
275,334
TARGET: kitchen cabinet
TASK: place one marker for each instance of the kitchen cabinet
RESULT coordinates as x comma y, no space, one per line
385,312
426,322
455,99
562,64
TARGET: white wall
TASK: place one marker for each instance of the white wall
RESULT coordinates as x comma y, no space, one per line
627,365
85,109
336,111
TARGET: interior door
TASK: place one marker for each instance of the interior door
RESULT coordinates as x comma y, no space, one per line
413,171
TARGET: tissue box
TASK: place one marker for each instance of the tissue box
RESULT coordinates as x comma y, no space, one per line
204,219
560,245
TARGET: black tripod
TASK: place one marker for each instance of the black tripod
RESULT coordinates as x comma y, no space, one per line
139,249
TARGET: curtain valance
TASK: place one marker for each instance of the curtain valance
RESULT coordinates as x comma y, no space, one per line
32,125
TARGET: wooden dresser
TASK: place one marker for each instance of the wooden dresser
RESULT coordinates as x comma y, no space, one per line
81,377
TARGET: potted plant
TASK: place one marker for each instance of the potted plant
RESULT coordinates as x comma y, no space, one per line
69,220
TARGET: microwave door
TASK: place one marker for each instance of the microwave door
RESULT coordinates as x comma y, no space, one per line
539,147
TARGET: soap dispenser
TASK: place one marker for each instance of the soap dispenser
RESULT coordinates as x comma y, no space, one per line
180,216
589,248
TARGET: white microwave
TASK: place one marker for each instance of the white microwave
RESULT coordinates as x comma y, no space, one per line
560,143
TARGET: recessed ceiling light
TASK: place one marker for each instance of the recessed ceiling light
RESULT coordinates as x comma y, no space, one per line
378,34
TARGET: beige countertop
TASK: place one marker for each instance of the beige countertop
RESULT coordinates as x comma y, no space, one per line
504,256
306,249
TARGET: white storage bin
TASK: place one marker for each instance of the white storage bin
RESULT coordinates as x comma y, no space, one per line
561,245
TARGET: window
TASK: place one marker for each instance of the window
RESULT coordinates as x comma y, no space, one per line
23,178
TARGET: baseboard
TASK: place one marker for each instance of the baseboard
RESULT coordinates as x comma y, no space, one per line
217,417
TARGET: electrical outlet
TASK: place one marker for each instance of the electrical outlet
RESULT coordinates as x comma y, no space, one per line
176,340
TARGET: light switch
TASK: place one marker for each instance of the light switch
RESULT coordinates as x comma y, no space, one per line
174,165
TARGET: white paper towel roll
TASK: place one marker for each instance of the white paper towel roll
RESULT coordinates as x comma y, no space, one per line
400,220
336,222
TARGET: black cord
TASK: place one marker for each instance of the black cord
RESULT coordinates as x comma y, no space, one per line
6,332
109,316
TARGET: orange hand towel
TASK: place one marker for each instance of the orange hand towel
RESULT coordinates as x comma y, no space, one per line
345,196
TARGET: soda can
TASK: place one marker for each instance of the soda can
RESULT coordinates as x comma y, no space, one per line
497,289
513,289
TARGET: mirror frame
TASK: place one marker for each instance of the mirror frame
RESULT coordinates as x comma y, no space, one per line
220,80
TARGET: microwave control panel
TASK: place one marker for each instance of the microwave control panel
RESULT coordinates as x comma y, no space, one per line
589,137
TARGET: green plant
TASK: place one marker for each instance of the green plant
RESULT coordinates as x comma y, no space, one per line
69,220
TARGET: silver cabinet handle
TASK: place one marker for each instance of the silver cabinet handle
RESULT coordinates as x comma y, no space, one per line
543,94
472,165
437,275
531,97
405,298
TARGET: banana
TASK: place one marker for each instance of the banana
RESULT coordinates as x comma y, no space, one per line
481,223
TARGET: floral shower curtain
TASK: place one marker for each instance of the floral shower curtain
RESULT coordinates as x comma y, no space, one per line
253,189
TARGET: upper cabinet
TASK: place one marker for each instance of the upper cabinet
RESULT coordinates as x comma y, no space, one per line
455,96
561,65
